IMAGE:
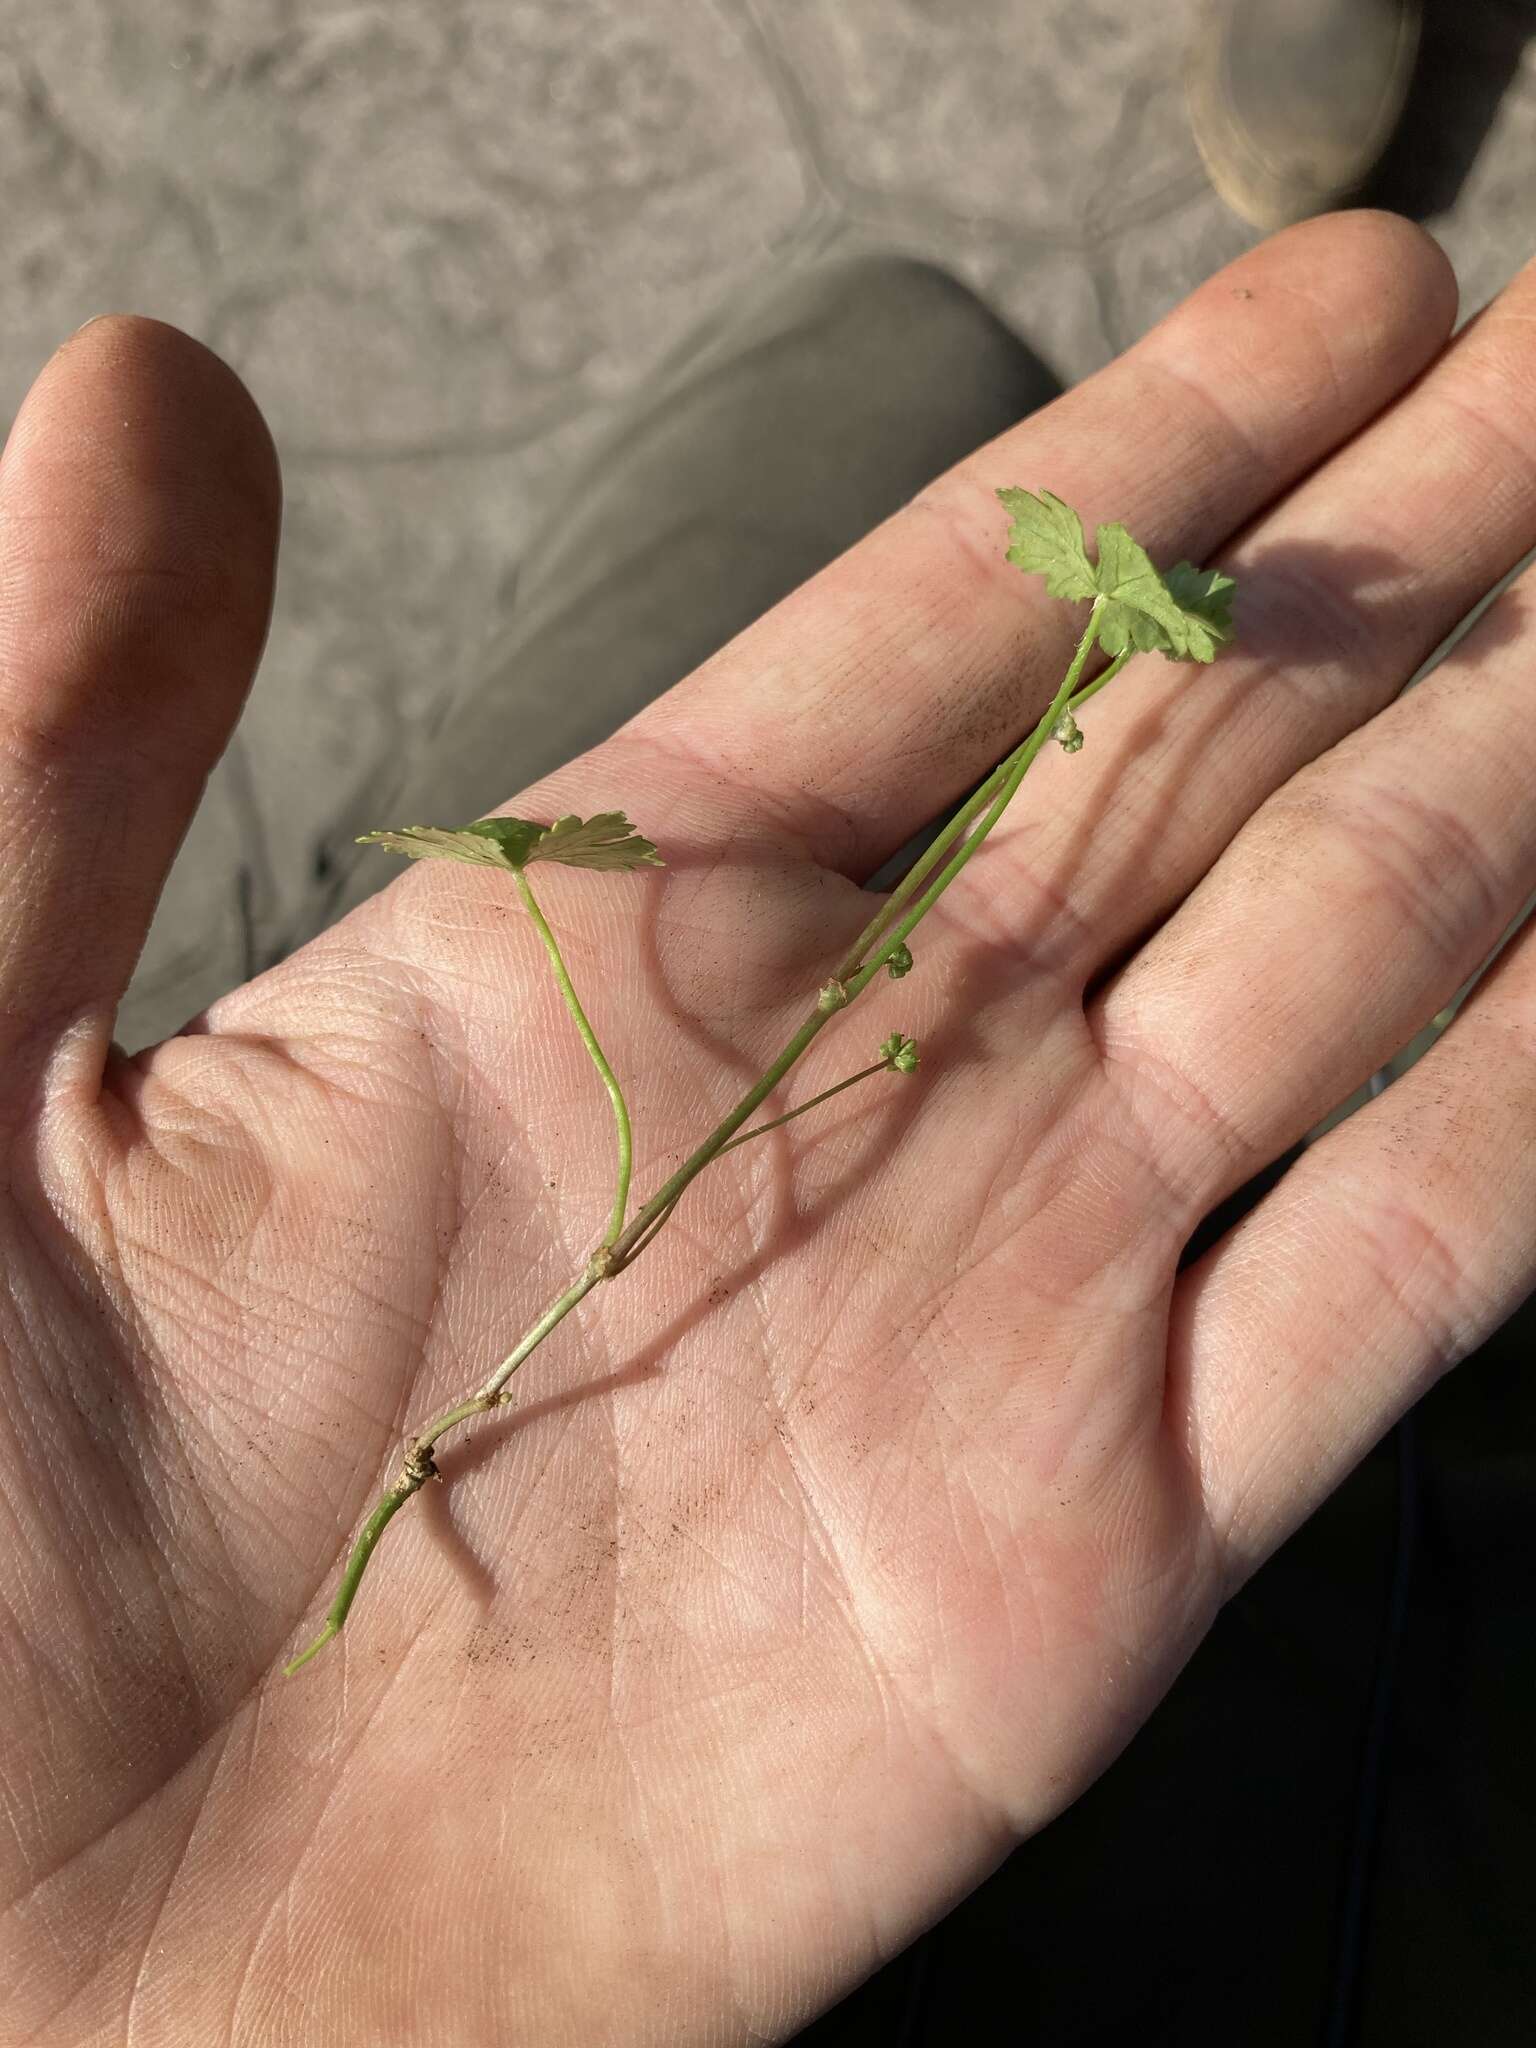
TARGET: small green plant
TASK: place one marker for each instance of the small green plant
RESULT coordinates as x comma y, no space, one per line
1184,614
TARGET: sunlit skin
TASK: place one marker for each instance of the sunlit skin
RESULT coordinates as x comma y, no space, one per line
842,1543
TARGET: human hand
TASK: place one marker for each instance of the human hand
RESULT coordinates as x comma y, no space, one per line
847,1539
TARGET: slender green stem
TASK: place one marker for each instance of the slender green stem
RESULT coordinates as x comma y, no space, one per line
663,1214
925,863
844,986
898,916
420,1466
759,1130
607,1259
978,800
357,1564
597,1268
589,1038
831,1000
1105,675
653,1228
1017,766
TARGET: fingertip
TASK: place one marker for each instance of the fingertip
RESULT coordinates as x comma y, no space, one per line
142,494
1393,244
169,379
1341,313
1375,265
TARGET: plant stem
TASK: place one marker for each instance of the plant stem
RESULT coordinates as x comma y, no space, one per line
760,1130
652,1228
589,1038
1104,676
826,1009
979,798
623,1242
357,1564
1014,770
843,987
420,1466
662,1214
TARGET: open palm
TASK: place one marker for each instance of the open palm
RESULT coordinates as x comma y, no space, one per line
844,1539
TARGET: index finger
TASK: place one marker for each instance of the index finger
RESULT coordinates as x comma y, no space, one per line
886,686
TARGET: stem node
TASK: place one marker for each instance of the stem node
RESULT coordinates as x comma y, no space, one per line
419,1465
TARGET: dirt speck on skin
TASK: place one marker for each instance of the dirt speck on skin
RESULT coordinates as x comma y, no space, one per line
488,1644
1241,291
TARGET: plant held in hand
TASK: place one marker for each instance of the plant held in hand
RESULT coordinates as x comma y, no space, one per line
1183,613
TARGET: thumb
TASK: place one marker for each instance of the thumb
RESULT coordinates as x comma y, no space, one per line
139,512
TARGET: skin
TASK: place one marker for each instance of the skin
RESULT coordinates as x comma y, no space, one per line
845,1540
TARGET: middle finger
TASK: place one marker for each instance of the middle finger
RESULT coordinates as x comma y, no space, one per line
1344,588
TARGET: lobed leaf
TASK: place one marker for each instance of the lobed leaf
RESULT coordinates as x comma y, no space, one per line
1045,537
1205,598
607,842
1139,611
434,842
1185,615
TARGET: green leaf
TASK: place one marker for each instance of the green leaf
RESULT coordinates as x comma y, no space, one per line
1045,537
1186,615
1139,611
433,842
899,961
1205,598
607,841
514,838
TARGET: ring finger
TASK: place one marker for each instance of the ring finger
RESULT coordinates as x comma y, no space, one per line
1349,911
